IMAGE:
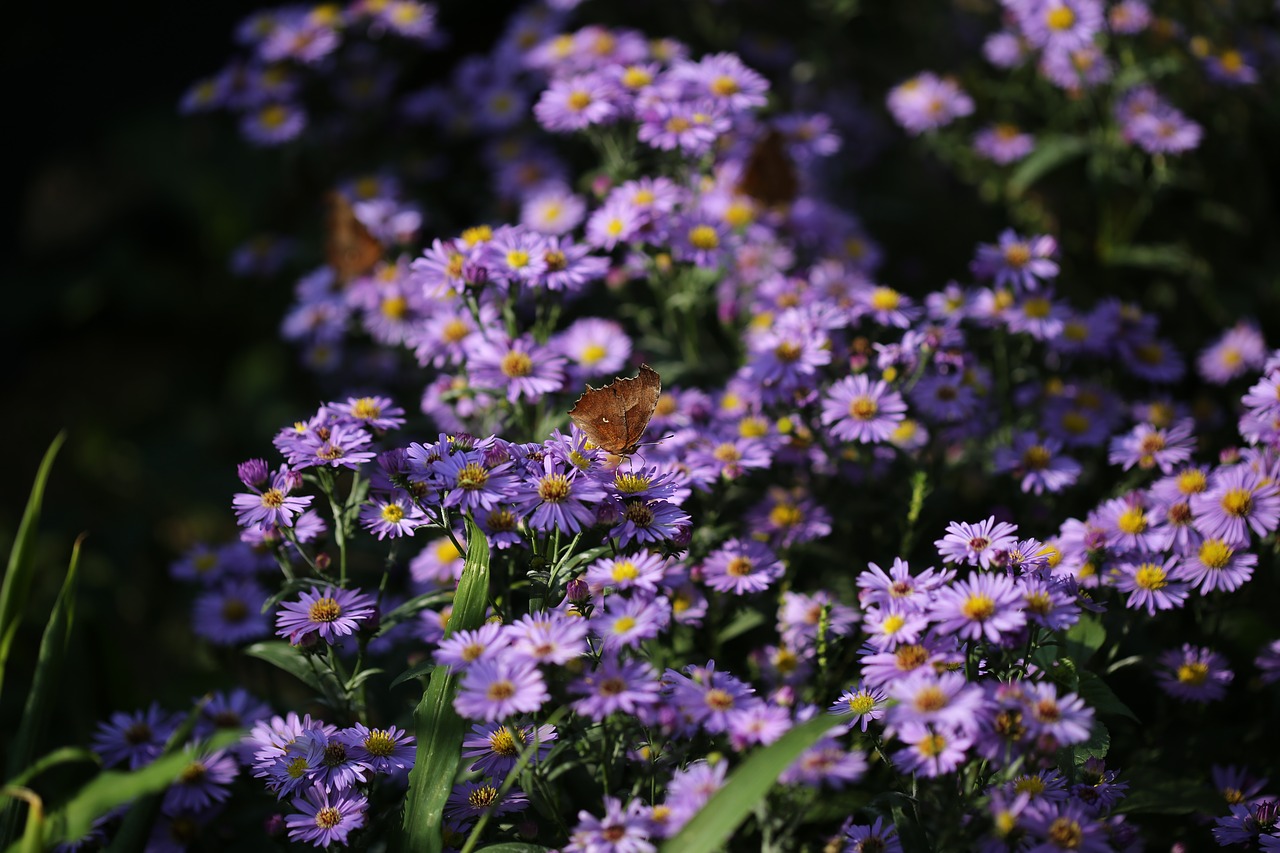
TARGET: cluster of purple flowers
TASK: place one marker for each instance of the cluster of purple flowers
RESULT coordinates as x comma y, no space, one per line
326,770
289,48
134,740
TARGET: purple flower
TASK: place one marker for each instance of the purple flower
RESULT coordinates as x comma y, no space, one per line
927,101
741,567
272,507
630,621
644,571
1036,462
757,723
497,748
857,410
136,738
1152,585
828,764
472,799
866,703
551,637
616,685
706,697
1149,447
646,521
621,830
381,750
1023,263
1240,350
1066,718
1193,673
332,614
337,445
691,788
463,648
1059,24
273,124
976,544
873,838
1217,565
1003,143
523,368
945,699
1240,498
325,819
1050,822
558,497
692,127
983,606
573,103
931,750
205,780
493,689
231,613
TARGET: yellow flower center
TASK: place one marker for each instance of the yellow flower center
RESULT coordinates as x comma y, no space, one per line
704,237
1237,502
1215,553
863,408
324,610
1060,18
1132,521
517,364
885,299
1150,576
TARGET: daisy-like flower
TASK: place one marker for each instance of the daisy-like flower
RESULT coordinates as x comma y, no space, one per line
616,221
630,621
463,648
573,103
1023,263
826,764
474,484
388,516
927,102
857,410
336,446
892,625
273,123
331,614
1003,143
692,127
741,567
976,544
1240,350
381,750
622,829
1152,585
1066,825
231,613
493,689
497,748
757,723
326,818
595,347
643,522
1066,718
898,587
1150,447
524,369
983,606
558,497
135,739
1059,24
877,837
945,699
1037,463
551,637
691,788
931,750
1217,565
553,209
643,571
1194,673
372,412
472,799
616,685
1239,498
865,702
273,507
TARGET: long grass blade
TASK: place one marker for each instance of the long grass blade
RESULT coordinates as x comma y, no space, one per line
17,579
715,823
438,728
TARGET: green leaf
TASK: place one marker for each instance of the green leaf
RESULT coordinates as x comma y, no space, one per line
1051,152
1168,257
741,624
280,654
17,579
415,671
34,831
1085,638
361,677
62,755
1099,696
48,679
114,788
437,726
713,825
1097,746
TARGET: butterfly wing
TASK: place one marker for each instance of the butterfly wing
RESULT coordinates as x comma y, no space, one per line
640,401
348,246
769,175
614,417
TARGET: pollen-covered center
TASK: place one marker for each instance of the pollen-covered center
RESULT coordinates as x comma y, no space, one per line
516,365
1237,502
978,607
1017,255
379,744
472,476
324,610
554,488
328,817
1150,576
704,237
863,408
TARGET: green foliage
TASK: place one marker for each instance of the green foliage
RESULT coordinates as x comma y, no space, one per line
437,727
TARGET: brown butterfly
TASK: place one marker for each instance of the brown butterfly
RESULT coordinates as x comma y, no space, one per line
769,175
348,246
614,417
